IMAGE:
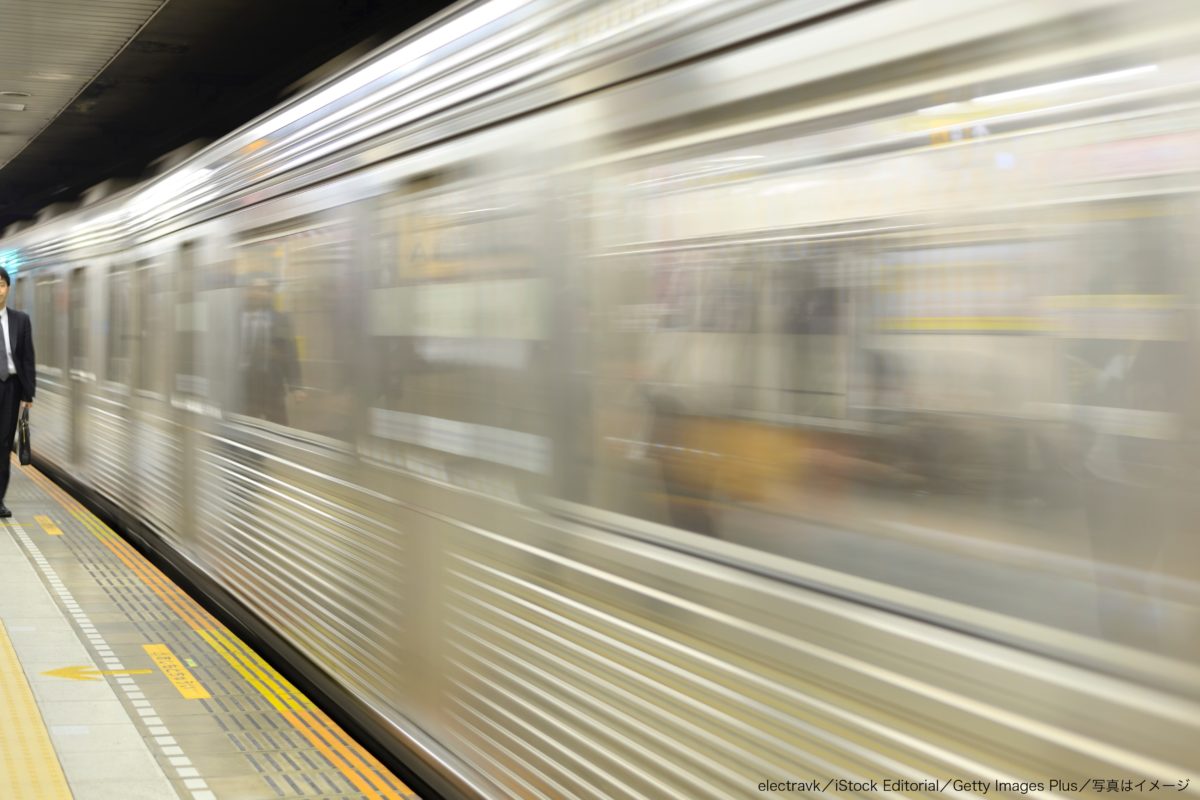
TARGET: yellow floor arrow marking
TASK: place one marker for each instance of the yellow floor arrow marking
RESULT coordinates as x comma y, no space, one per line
91,673
48,525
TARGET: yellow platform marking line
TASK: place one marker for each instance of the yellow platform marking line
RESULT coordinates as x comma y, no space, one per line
981,323
365,772
29,768
176,672
48,525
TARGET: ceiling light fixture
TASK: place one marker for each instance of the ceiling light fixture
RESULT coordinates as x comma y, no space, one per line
12,106
14,94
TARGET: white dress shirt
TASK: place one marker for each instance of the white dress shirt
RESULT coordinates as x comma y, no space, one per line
8,353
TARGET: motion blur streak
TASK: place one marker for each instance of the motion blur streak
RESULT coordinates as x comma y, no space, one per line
654,399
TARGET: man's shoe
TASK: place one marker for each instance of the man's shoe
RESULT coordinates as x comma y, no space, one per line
4,512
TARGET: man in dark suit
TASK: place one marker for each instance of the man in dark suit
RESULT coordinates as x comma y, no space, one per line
18,377
269,365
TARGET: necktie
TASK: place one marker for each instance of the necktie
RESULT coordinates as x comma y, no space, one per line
255,339
261,338
4,359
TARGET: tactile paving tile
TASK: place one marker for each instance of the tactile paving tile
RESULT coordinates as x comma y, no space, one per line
29,768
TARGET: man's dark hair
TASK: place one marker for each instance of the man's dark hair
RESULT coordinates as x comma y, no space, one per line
4,276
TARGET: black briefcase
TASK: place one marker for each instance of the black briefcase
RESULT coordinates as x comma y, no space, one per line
23,437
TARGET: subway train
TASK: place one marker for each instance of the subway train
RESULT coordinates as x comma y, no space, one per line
677,398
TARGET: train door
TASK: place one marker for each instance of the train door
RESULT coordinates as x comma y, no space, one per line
154,449
52,400
190,384
79,376
111,414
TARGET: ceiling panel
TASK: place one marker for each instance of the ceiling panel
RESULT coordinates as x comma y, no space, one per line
106,106
50,50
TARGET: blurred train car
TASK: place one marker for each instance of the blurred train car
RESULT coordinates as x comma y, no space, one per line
655,399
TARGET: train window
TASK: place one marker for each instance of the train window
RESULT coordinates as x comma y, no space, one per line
49,301
191,322
122,327
783,344
78,341
20,294
456,320
296,327
156,327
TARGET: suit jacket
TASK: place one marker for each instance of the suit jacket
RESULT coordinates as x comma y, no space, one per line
20,338
276,360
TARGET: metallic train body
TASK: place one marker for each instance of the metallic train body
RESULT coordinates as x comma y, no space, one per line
537,259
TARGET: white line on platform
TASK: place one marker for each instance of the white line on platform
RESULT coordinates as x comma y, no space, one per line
148,717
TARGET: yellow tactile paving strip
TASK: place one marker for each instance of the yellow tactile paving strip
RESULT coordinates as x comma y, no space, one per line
29,768
362,769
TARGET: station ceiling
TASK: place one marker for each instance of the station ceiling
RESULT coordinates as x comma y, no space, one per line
98,89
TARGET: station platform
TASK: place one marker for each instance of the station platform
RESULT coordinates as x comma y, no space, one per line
114,683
